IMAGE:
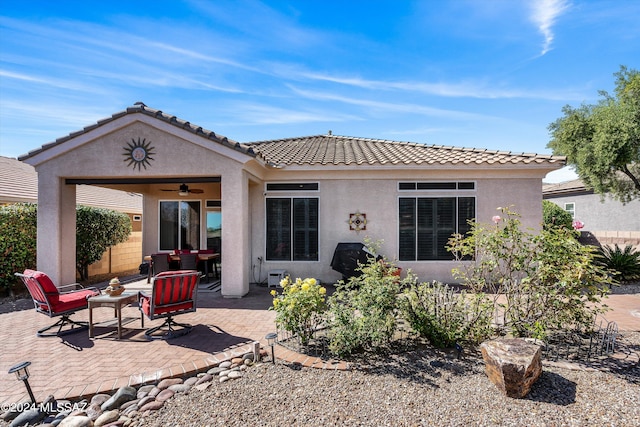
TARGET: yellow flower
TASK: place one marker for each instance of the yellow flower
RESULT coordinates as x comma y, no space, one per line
284,282
305,286
322,291
273,292
311,281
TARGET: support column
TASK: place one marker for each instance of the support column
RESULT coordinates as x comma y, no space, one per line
235,234
56,229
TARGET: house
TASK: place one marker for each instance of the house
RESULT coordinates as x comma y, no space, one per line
606,221
19,184
282,204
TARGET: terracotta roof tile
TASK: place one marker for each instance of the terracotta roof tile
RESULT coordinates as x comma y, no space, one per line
343,150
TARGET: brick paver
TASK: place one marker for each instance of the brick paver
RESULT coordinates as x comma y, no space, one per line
75,366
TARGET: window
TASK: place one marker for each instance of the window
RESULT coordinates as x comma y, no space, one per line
292,229
426,224
571,208
179,225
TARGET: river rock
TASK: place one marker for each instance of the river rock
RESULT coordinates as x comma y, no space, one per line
124,394
107,417
166,383
30,417
513,365
76,421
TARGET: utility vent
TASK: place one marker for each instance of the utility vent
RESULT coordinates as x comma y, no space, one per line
293,186
412,186
214,203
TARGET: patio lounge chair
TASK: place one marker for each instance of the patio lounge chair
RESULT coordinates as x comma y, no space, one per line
172,293
56,301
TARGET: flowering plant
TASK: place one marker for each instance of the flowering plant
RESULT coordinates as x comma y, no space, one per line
300,306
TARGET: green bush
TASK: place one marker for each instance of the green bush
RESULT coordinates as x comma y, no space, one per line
623,263
362,311
554,216
96,230
18,230
300,307
548,280
445,317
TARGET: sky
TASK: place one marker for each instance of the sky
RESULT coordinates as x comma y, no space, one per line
490,74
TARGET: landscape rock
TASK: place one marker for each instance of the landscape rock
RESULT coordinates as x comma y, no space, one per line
166,383
107,417
76,421
30,417
513,365
124,394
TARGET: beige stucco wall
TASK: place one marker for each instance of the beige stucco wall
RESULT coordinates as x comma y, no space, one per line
178,153
378,199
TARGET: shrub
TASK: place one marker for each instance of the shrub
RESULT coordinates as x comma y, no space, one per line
548,280
554,216
362,311
96,230
300,307
445,317
624,263
18,228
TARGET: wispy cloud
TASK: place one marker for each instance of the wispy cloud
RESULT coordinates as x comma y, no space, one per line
388,106
544,15
479,89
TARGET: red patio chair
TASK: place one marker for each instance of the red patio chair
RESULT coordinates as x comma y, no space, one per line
56,301
172,293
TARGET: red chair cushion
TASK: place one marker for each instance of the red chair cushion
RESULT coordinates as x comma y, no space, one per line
164,301
44,280
72,301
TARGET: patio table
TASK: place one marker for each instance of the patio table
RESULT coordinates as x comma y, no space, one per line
117,302
201,257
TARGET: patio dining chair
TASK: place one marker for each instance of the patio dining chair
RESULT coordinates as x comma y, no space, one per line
159,263
55,301
172,293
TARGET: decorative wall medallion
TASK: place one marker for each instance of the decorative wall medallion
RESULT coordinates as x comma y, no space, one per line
138,153
357,221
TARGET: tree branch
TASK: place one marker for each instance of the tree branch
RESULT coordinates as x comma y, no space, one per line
631,176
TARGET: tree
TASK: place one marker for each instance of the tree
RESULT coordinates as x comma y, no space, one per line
96,230
602,141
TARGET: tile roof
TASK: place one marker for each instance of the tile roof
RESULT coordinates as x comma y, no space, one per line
565,188
19,183
140,107
332,149
343,150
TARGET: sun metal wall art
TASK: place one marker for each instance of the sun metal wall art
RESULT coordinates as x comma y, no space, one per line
357,221
138,153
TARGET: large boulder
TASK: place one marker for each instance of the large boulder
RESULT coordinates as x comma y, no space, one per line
513,365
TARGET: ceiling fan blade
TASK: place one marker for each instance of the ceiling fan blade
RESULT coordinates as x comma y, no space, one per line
196,191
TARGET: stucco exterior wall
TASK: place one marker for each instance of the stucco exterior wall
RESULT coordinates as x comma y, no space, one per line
607,221
378,199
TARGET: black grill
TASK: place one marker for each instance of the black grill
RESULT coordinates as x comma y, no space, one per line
346,258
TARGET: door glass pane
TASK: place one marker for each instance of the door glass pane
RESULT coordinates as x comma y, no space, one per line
190,225
214,230
305,229
168,226
278,229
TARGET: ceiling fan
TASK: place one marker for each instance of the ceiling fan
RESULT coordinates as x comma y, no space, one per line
184,190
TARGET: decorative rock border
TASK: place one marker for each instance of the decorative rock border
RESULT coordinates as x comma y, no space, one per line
127,403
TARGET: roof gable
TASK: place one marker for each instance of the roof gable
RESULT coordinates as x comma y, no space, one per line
141,108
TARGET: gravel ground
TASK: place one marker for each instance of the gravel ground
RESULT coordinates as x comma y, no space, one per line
415,388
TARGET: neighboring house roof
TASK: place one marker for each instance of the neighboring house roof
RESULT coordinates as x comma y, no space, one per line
566,188
19,183
332,149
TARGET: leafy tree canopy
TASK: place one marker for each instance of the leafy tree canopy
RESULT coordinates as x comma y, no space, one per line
602,141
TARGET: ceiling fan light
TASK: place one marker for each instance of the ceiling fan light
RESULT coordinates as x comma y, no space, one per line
184,190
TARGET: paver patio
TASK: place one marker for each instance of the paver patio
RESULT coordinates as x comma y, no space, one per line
73,366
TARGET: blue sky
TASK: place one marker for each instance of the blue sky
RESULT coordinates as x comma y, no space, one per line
483,73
